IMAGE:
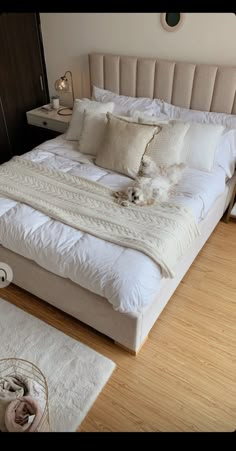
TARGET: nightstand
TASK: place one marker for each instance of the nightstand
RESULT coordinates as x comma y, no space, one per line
231,212
49,120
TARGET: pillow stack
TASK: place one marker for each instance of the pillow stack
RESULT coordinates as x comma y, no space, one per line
222,150
195,144
119,142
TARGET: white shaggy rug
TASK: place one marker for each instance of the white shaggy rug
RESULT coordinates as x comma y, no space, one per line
75,373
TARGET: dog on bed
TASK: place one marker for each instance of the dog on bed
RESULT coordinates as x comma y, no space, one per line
152,184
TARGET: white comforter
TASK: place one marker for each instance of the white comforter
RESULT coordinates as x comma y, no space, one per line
126,277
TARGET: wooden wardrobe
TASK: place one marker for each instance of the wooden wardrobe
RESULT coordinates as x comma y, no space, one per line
23,81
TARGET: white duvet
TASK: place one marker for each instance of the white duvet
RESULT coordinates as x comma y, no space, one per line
126,277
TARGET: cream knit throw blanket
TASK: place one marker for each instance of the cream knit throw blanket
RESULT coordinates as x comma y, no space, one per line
163,232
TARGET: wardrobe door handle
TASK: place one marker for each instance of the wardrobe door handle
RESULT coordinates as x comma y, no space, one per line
41,82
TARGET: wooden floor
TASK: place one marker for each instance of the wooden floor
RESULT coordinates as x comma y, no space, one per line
184,378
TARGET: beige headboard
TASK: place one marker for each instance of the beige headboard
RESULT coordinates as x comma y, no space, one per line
196,86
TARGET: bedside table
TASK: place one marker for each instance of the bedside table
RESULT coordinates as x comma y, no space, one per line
49,120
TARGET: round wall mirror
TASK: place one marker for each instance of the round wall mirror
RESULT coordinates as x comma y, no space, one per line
172,21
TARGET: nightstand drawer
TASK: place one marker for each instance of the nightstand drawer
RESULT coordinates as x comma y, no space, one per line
47,122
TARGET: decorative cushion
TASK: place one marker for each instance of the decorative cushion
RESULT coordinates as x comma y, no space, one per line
167,146
75,126
92,133
124,145
200,145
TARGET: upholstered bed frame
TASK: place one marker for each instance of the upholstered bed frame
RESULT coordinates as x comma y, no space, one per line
195,86
201,87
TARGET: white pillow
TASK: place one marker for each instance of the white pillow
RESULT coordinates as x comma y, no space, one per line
123,104
202,117
166,148
92,133
226,152
75,126
150,118
200,145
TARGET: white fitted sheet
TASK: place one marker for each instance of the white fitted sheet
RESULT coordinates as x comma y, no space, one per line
126,277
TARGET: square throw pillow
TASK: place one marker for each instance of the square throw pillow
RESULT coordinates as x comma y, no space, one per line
124,145
75,126
200,145
167,146
92,133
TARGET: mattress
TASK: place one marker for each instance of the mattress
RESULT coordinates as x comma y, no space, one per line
127,278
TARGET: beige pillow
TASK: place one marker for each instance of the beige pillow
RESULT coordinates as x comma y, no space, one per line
75,126
92,133
167,147
124,145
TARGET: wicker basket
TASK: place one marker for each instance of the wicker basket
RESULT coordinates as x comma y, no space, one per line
14,367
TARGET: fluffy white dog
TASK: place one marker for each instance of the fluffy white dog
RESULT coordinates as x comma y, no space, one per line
152,184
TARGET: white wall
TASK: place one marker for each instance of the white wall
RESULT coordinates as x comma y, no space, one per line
69,37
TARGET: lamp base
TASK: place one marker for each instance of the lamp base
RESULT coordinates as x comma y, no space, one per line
64,114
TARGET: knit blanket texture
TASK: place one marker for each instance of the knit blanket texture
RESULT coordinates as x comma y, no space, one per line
163,231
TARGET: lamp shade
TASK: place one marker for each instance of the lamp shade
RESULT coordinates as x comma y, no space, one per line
62,84
65,84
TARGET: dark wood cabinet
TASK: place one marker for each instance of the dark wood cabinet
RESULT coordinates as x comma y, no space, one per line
5,147
23,81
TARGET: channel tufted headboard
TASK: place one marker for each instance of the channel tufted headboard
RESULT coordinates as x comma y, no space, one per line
196,86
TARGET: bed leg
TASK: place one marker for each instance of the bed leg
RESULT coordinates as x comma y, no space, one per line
131,351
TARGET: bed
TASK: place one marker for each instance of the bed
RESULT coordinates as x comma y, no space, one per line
68,282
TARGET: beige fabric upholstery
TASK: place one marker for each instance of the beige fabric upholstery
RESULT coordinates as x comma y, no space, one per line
145,78
124,144
167,147
224,90
112,68
164,77
203,87
127,71
183,84
92,132
196,86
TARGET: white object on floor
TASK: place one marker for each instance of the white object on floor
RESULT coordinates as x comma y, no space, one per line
75,373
